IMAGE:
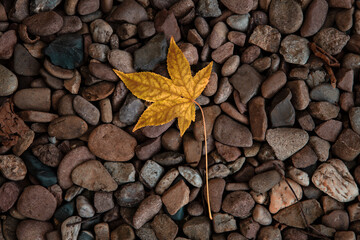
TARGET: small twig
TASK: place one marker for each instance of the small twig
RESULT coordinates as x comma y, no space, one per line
332,76
326,57
83,221
206,162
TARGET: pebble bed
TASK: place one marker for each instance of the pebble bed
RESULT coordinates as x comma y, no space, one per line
282,110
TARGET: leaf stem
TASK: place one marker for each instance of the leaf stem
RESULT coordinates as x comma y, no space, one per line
206,161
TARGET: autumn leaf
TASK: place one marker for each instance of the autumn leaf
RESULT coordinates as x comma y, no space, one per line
172,98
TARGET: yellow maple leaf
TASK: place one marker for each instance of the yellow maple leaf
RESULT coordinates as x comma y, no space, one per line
172,98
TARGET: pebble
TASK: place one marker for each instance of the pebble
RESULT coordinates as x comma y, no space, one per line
66,51
224,223
337,219
93,176
246,81
208,8
32,229
84,207
261,215
101,31
122,141
239,22
197,228
151,173
218,35
165,22
325,92
98,91
24,63
48,154
342,235
238,204
72,231
129,11
123,231
164,227
121,172
314,18
148,208
12,167
286,16
168,158
222,53
218,171
240,8
291,217
36,202
9,193
67,127
347,146
229,67
155,131
171,140
86,110
102,231
298,176
354,116
282,196
7,43
269,232
295,49
344,19
331,40
266,37
250,54
130,195
192,149
345,79
103,201
273,84
131,110
315,78
282,113
98,51
44,23
86,7
323,110
191,175
304,158
229,153
106,110
72,24
146,29
249,228
224,91
237,38
286,141
176,197
121,60
329,130
334,179
166,181
147,57
229,132
263,182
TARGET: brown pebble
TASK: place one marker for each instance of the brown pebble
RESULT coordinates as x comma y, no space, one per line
67,127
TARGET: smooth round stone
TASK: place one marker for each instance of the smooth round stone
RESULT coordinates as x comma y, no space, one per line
98,91
295,49
315,17
263,182
31,229
44,23
8,82
121,60
9,193
37,99
101,31
129,11
84,207
325,92
86,110
67,127
112,143
262,215
86,235
239,22
64,211
86,7
148,208
285,15
36,202
12,167
72,231
93,176
7,44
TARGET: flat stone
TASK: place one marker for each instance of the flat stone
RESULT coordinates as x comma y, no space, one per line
36,202
129,11
224,223
164,227
337,219
347,146
176,197
246,81
9,193
98,91
239,204
329,130
286,141
291,216
229,153
236,7
210,113
282,113
286,16
198,228
165,22
93,176
269,232
334,179
192,149
107,137
304,158
191,175
325,92
323,110
67,127
231,133
24,63
263,182
130,195
273,84
7,43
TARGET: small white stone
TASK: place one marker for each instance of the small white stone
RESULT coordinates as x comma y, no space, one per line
151,173
84,208
262,215
298,176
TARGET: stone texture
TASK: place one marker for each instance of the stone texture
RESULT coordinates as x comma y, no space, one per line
238,204
266,37
285,15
